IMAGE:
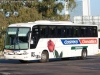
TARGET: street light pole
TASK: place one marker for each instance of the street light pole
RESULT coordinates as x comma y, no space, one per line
86,7
88,3
66,7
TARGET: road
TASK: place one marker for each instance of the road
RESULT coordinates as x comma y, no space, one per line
73,66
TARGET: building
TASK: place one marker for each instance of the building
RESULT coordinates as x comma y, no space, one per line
82,9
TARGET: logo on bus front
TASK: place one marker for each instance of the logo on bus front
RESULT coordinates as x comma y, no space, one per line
70,41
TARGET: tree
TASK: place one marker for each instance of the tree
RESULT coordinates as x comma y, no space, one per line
3,21
3,25
49,8
71,4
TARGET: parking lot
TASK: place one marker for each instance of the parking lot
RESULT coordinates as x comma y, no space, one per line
73,66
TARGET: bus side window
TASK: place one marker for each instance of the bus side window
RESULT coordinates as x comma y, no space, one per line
70,31
58,32
78,32
55,32
83,32
66,32
35,31
75,32
63,31
50,32
42,32
46,32
89,32
95,33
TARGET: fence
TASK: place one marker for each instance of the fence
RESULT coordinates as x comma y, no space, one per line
87,20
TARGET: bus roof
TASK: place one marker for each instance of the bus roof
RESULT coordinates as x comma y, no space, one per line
47,22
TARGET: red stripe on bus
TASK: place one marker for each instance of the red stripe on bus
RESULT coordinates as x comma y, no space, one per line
88,41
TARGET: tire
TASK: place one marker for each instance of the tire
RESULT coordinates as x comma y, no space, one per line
84,54
44,57
22,61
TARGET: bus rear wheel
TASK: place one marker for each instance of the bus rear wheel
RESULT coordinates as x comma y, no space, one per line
84,54
44,57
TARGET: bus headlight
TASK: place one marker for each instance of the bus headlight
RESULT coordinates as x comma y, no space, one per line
25,53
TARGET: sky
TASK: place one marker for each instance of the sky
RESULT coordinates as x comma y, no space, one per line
95,7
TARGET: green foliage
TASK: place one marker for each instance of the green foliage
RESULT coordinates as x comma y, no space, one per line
72,4
49,8
25,16
2,43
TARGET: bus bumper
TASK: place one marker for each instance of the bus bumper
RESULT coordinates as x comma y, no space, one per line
19,57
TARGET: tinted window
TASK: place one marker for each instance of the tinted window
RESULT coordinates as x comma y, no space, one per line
62,31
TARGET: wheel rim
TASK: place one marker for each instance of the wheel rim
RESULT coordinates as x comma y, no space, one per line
43,57
84,54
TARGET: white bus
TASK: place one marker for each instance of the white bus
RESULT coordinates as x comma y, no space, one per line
43,40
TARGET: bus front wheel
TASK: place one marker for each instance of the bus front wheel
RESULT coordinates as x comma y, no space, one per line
44,57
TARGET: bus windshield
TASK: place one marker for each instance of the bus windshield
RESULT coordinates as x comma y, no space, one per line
17,38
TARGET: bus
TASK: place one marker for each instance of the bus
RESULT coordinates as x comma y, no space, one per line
43,40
